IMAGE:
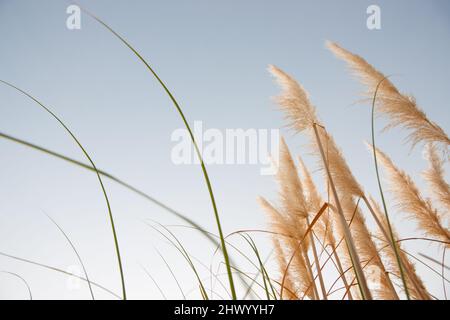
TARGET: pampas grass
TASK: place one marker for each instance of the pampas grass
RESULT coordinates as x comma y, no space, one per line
434,175
414,282
301,116
303,225
292,249
409,200
295,212
313,206
294,101
400,109
325,226
280,226
366,256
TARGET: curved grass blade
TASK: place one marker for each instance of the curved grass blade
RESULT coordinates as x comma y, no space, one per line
391,233
112,178
76,252
22,279
313,222
439,274
260,271
210,236
246,275
434,260
111,218
263,271
317,263
334,252
60,271
217,246
154,282
177,244
212,275
256,277
212,292
197,150
172,273
420,261
349,241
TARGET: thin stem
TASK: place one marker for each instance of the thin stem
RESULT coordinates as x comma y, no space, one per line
154,282
391,233
51,268
313,222
316,261
197,150
443,274
362,283
311,275
21,279
113,178
76,253
380,225
341,270
111,218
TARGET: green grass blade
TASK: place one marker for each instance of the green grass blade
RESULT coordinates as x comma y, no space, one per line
76,252
197,150
112,178
434,260
250,286
244,282
266,279
22,279
260,271
59,271
391,233
179,246
111,218
172,273
154,282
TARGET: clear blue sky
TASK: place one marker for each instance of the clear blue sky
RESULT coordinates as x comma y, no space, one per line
214,55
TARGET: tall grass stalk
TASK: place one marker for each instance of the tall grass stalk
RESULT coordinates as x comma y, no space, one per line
311,275
265,276
76,253
197,150
154,282
362,283
179,246
298,247
388,238
380,188
52,268
210,236
255,278
335,247
317,263
18,276
341,272
111,218
172,274
115,179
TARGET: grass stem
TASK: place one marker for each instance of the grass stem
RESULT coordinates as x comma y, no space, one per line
197,150
317,263
391,233
111,218
362,283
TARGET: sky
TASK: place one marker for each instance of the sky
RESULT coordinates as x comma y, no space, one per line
213,55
